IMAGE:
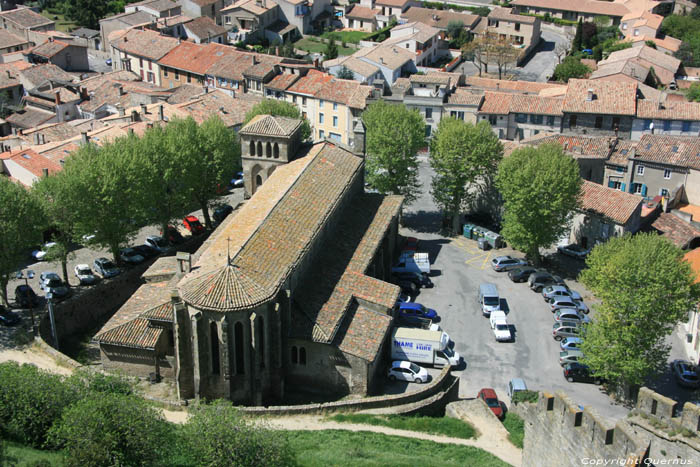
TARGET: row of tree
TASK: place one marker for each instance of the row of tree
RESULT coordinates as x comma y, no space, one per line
110,192
487,50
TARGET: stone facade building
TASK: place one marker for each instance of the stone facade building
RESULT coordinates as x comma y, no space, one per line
287,294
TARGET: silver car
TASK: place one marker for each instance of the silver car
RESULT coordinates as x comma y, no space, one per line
551,291
567,302
506,263
571,314
50,282
564,329
569,356
570,343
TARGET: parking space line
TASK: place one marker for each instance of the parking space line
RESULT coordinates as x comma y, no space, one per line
470,247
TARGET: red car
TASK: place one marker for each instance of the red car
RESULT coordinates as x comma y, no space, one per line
489,396
193,225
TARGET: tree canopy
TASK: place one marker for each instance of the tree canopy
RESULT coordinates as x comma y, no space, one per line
570,67
645,288
394,134
345,73
331,49
280,109
461,154
685,28
540,187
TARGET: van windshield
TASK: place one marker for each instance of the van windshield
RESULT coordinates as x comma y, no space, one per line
448,351
491,301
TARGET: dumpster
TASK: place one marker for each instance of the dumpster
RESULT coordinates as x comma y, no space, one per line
467,230
483,244
477,232
494,239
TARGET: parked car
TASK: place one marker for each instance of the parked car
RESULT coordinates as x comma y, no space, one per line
50,282
418,278
567,302
501,331
407,371
564,329
146,251
489,396
157,243
685,373
84,274
577,372
506,263
570,343
237,180
569,356
515,385
539,280
222,212
130,256
404,298
407,311
106,268
25,296
575,251
8,318
552,291
410,244
193,225
408,287
521,274
571,314
40,255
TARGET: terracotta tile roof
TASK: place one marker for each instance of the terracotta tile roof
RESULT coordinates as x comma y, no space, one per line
271,125
131,19
389,56
53,132
430,78
419,32
464,97
680,232
259,70
33,162
9,75
29,118
94,82
363,332
693,257
621,153
506,85
231,66
609,97
681,151
344,91
250,6
536,105
131,94
360,67
157,5
49,48
506,14
145,43
7,39
616,205
185,93
137,334
225,289
393,3
25,18
657,58
204,27
310,84
597,7
231,110
363,13
358,99
589,147
625,67
281,238
39,74
282,82
196,58
496,103
204,2
670,110
438,18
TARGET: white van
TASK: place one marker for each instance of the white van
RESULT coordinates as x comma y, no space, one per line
489,299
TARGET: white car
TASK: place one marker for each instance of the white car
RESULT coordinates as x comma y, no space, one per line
85,275
570,343
567,302
40,255
501,330
574,251
407,371
552,291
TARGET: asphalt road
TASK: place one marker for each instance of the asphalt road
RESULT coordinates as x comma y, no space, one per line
459,268
542,62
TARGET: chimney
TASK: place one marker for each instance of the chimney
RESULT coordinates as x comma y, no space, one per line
121,111
45,172
135,116
121,90
661,105
498,85
255,60
126,39
9,75
184,261
14,131
315,62
50,39
381,60
589,95
57,97
160,113
42,138
84,137
84,93
36,138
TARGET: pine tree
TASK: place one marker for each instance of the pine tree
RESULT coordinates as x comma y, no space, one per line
578,38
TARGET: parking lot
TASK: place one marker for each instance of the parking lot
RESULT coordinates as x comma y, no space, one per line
459,267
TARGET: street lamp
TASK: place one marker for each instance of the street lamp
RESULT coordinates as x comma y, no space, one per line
49,299
29,275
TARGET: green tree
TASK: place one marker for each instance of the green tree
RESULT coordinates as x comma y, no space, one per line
540,187
693,92
331,49
112,429
460,155
394,134
20,229
577,43
216,435
651,44
87,13
570,67
645,288
454,28
345,73
280,109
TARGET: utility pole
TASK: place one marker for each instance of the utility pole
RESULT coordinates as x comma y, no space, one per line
49,298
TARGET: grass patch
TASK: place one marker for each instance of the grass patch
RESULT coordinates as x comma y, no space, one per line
19,455
346,36
348,448
434,425
516,429
62,23
525,396
312,46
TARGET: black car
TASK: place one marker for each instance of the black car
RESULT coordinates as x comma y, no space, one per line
146,251
521,274
539,280
8,318
420,279
221,212
408,287
578,372
173,236
25,296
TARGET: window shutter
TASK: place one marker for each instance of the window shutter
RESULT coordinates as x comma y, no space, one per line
632,187
611,184
622,187
644,190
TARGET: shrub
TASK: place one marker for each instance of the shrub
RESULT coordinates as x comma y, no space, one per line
516,429
525,396
85,382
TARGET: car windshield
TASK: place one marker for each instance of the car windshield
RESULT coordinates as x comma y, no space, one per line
491,402
491,301
159,242
414,368
108,265
502,327
53,282
83,271
449,352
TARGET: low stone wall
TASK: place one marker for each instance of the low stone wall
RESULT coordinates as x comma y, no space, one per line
440,384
